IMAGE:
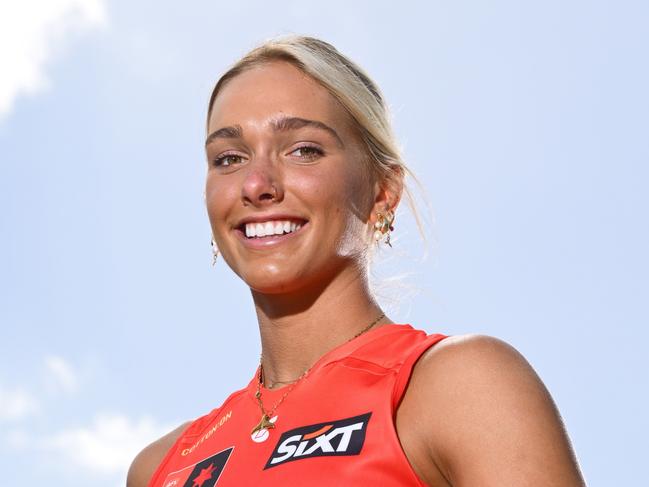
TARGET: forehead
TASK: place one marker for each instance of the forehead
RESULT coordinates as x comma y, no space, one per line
263,92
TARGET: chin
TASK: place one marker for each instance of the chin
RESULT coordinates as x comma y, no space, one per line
272,280
307,278
268,285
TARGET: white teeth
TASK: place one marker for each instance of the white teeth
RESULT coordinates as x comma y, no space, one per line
276,227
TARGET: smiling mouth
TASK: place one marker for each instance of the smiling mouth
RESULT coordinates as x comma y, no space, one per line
269,229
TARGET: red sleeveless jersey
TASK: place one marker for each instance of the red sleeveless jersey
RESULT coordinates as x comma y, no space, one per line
335,427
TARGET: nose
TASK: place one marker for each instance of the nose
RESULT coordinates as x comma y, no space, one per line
262,185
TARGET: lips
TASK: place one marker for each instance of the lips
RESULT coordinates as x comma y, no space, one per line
269,224
273,217
266,241
269,228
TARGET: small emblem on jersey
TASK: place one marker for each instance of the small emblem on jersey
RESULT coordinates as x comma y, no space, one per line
334,438
205,473
263,434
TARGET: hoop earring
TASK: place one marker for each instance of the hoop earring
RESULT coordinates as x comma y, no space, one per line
383,227
215,251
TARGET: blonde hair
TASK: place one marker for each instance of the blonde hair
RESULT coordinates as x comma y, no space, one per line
354,90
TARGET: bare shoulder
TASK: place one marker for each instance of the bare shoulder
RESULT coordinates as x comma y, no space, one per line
462,353
488,418
482,368
146,462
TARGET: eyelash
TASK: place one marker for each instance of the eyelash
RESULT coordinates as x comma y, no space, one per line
218,162
316,152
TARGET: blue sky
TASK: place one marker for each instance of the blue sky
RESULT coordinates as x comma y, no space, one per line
526,123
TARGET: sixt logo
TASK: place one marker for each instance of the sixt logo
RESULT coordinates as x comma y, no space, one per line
342,437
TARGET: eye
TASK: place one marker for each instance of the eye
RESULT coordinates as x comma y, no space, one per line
226,160
308,152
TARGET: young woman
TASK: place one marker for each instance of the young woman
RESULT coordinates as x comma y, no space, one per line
302,183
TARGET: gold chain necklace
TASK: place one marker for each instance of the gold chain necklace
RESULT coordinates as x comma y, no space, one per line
265,421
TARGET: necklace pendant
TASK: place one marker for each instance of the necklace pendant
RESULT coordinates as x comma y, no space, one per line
264,423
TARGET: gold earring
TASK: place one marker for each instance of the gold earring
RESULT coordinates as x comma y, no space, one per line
215,251
383,226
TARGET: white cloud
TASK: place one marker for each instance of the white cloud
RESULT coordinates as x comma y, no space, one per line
31,33
16,404
61,374
17,439
107,446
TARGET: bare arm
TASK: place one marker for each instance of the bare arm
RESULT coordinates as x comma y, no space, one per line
146,462
484,418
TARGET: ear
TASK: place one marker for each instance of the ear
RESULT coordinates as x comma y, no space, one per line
387,195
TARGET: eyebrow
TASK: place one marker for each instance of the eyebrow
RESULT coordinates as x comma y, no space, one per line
282,124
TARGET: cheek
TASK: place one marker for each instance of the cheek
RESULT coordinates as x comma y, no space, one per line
218,199
356,195
343,180
346,200
359,201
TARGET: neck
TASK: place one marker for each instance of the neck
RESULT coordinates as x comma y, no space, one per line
297,329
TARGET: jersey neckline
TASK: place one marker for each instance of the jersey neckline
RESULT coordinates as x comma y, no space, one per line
336,353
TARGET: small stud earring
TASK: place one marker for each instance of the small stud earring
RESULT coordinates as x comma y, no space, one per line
215,251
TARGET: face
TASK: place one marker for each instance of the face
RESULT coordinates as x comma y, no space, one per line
289,196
